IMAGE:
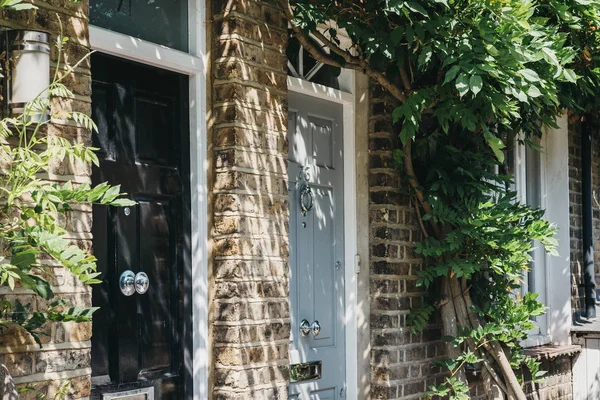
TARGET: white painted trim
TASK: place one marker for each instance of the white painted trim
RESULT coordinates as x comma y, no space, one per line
558,269
555,293
193,64
134,49
542,334
199,200
320,91
536,340
350,226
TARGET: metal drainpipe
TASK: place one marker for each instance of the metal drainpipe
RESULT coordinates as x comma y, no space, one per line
587,211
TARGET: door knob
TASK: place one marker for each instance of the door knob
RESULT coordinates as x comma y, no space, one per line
316,328
306,328
127,283
141,282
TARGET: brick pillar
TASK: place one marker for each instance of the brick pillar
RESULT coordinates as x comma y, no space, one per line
65,355
401,363
250,318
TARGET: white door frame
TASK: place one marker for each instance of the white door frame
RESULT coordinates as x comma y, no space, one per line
347,100
192,64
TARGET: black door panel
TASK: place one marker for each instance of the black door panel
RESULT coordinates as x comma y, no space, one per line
141,114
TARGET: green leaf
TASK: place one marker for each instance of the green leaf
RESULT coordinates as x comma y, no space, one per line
416,7
534,91
476,84
425,56
38,285
462,85
495,144
570,75
451,74
397,35
530,75
492,50
122,202
24,259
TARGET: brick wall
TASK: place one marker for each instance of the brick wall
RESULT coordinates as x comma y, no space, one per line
250,309
401,363
576,220
558,383
577,280
65,355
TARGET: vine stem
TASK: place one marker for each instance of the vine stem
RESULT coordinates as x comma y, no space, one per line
414,183
419,218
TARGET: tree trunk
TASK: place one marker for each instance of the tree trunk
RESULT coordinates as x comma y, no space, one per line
466,317
450,323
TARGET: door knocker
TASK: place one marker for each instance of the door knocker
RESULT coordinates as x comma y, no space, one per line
307,197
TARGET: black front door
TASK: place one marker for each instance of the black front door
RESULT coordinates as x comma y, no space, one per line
138,340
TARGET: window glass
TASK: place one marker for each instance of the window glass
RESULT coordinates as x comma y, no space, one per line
534,199
163,22
302,65
526,163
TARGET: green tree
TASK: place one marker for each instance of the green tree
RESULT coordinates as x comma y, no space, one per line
470,78
32,239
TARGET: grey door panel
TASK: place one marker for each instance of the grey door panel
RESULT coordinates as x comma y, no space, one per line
317,245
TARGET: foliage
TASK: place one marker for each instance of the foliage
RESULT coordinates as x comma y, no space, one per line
61,393
20,5
489,241
16,5
471,78
32,236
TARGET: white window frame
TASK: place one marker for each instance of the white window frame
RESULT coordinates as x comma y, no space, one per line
193,64
553,272
539,335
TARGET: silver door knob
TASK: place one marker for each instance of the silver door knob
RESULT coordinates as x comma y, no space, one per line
306,328
315,327
142,283
127,283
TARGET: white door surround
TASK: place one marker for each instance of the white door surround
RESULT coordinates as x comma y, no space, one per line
194,65
351,268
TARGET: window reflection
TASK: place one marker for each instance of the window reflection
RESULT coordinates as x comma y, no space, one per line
163,22
302,65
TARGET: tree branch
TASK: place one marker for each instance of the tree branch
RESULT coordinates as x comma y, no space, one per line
419,218
405,78
494,349
414,183
355,63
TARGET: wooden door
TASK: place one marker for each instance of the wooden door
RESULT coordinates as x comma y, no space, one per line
315,173
138,342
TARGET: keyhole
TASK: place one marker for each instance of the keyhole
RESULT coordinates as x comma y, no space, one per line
304,224
127,211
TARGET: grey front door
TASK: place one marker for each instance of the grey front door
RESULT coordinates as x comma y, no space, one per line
317,353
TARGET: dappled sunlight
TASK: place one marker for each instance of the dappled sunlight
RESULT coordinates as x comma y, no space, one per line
251,317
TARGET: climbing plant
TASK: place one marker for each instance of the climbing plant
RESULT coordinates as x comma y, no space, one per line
32,207
470,78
